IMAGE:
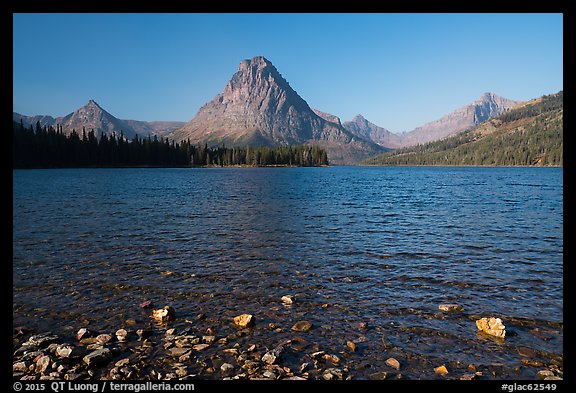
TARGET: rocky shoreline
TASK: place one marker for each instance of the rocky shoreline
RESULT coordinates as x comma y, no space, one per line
188,352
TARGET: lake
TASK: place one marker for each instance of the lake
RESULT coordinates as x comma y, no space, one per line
368,253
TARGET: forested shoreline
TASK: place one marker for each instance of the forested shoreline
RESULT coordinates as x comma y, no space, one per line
49,147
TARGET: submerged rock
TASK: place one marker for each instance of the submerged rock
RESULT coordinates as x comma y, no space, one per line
378,376
451,307
492,326
164,314
287,299
244,320
146,304
351,345
302,326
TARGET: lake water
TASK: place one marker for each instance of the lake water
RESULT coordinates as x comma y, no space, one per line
377,245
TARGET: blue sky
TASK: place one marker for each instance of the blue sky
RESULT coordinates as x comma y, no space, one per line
398,70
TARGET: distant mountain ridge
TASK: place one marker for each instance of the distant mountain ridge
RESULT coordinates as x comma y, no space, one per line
367,130
258,107
489,105
530,134
93,116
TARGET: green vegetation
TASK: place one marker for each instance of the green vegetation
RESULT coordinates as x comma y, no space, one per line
529,135
49,147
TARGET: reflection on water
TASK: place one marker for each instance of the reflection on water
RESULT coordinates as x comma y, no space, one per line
378,245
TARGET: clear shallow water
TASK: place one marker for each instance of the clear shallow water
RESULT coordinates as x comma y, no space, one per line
382,245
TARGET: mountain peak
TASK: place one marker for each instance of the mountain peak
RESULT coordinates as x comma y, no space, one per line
256,65
259,107
92,104
492,97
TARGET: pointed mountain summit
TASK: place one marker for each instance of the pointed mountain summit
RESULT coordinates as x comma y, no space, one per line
93,116
258,107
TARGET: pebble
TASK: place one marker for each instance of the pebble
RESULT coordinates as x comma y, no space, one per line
104,338
177,352
208,339
287,299
20,367
244,320
42,340
42,363
332,373
543,374
442,370
122,362
226,367
335,360
164,314
272,356
393,363
97,357
351,345
83,333
121,335
492,326
68,351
